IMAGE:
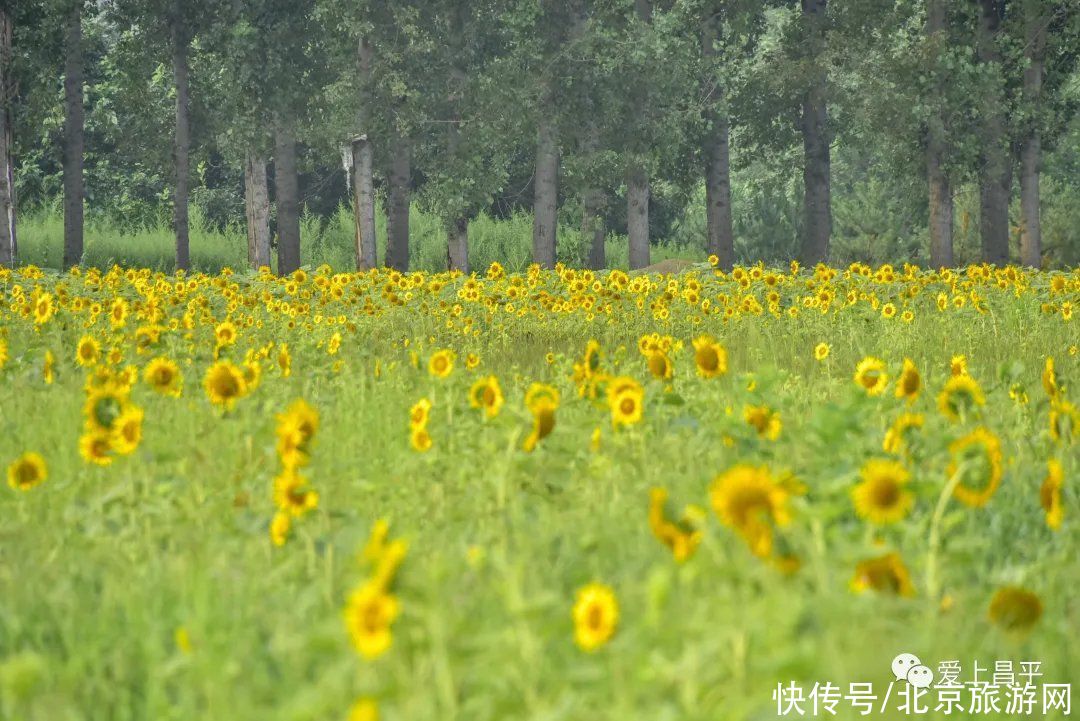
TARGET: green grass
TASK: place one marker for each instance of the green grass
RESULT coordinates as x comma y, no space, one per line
328,240
99,567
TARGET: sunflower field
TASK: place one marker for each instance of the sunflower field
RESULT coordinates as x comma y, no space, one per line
560,494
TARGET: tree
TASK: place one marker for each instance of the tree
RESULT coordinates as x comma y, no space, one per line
996,165
817,178
73,138
720,234
1036,19
8,241
937,178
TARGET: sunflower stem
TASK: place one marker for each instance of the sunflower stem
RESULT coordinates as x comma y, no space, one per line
934,539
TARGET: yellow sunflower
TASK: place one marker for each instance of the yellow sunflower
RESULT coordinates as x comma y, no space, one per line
884,574
543,411
487,395
870,375
163,375
765,421
960,395
682,538
625,399
419,414
750,502
821,351
224,383
441,363
1049,379
369,613
1050,494
27,471
909,383
710,357
977,456
896,436
1064,420
881,497
1015,609
88,352
595,614
95,446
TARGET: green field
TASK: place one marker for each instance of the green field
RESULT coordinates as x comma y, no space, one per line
150,588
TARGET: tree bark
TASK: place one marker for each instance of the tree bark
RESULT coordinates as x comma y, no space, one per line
73,140
719,231
287,195
817,194
995,174
257,208
9,249
1031,145
940,189
363,166
397,209
592,227
546,189
457,245
182,144
637,216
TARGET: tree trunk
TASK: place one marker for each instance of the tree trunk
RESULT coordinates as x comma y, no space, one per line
182,145
1030,147
719,232
940,189
9,249
637,216
287,195
995,175
73,140
397,209
363,183
592,227
817,194
363,167
257,207
457,245
546,190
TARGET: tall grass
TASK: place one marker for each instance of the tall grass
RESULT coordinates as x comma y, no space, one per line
322,240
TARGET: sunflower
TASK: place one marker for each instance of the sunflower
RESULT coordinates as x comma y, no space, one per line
118,313
625,399
1064,420
881,497
749,501
419,414
280,527
163,375
543,411
88,352
441,363
884,574
3,352
487,394
95,446
595,614
710,357
539,393
127,431
960,395
364,709
765,421
958,366
1050,493
293,494
1015,609
870,375
895,437
104,405
48,371
420,439
284,360
43,308
27,471
1049,379
909,383
977,456
472,361
369,613
225,334
224,383
660,365
681,538
821,351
